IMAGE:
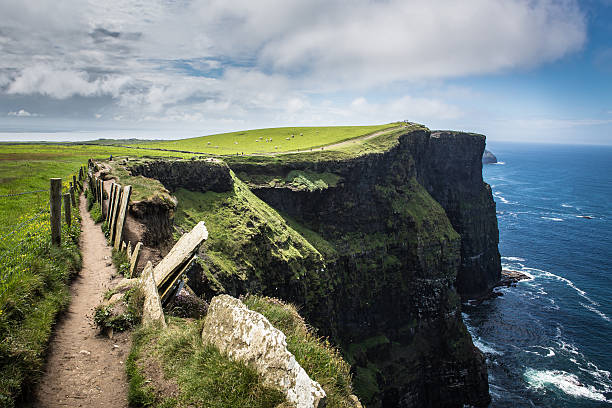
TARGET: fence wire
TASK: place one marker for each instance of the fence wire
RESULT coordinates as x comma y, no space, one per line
20,246
20,194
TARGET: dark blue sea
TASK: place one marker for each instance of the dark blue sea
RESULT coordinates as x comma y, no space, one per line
548,341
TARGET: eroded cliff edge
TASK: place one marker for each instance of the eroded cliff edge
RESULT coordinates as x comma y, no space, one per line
371,247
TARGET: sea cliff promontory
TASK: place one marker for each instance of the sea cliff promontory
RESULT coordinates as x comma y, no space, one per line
376,244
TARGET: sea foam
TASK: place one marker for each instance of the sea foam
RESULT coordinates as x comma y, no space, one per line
566,382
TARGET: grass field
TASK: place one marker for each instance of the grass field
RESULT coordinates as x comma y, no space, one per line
274,140
33,274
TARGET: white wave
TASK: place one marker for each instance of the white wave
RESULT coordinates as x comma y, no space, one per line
550,351
593,304
567,205
513,259
497,194
566,382
553,219
500,163
485,348
596,311
570,348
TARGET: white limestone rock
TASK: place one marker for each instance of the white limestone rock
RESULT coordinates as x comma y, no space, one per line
248,336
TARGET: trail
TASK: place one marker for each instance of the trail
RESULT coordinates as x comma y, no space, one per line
85,369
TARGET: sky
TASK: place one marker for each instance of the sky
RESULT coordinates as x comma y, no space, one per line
514,70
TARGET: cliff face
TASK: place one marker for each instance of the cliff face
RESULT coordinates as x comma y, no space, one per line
398,257
449,166
370,248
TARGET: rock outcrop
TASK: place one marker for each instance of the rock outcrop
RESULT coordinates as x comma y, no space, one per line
488,157
248,336
196,175
449,166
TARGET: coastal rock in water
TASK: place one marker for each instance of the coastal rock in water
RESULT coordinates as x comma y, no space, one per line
488,157
248,336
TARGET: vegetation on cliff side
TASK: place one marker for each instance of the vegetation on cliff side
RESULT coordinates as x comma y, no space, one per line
317,356
246,238
173,368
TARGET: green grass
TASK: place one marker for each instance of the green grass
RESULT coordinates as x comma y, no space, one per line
143,188
350,150
240,228
317,356
30,304
258,140
192,373
122,262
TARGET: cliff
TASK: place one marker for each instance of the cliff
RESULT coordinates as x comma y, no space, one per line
370,243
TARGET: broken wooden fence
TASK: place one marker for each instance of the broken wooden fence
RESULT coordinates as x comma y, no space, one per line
115,214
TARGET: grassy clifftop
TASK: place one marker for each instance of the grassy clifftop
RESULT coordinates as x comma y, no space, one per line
272,140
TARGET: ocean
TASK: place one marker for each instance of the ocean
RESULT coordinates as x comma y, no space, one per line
548,341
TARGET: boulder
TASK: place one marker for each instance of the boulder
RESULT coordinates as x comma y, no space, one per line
248,336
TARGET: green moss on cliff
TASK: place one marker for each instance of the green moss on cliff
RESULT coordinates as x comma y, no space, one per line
143,188
247,238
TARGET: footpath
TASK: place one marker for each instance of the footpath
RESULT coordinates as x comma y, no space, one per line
84,368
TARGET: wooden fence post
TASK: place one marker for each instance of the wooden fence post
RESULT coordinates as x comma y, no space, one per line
111,202
55,203
67,210
74,183
72,197
101,187
113,220
125,200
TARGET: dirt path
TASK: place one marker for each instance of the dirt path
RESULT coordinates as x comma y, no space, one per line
83,368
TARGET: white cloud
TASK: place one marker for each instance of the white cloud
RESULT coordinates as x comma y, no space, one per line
62,84
235,60
22,113
406,107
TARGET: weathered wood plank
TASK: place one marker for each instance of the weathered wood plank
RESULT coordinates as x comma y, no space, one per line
55,197
152,311
125,200
134,259
111,199
184,249
113,221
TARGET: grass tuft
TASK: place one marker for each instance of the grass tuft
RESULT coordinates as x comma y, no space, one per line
192,373
316,355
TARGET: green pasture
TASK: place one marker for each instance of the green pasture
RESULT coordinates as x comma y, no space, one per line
274,140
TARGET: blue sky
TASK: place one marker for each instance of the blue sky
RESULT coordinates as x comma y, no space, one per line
520,70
